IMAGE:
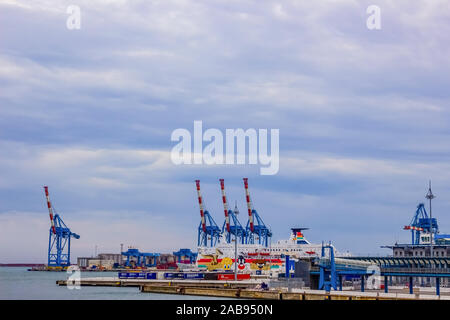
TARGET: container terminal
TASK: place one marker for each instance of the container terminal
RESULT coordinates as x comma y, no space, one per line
242,262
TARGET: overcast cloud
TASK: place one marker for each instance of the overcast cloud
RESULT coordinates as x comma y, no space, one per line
363,116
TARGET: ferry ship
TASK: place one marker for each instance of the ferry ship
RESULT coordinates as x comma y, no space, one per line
257,257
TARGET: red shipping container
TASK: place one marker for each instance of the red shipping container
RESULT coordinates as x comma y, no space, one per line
230,276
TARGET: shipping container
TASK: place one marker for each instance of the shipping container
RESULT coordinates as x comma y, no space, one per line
210,276
173,275
193,275
136,275
169,275
230,276
132,275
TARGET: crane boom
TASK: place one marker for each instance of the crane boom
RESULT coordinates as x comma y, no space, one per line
249,204
50,209
200,203
225,204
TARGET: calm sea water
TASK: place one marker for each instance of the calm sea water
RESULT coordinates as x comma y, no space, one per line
18,283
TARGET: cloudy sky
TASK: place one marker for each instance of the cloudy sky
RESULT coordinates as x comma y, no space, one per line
364,118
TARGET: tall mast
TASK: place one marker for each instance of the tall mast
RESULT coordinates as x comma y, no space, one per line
200,203
50,209
225,204
430,196
249,204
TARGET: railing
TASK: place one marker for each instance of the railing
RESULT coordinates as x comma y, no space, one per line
417,270
407,270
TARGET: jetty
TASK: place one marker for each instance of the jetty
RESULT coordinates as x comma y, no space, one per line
242,290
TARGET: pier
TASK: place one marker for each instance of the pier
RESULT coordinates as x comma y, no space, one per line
245,290
117,282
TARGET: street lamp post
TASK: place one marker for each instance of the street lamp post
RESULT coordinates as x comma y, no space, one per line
236,212
235,257
430,196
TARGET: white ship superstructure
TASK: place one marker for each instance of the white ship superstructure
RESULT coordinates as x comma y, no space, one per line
297,246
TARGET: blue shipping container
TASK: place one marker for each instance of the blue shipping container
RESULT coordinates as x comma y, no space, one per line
136,275
151,275
173,275
194,275
169,275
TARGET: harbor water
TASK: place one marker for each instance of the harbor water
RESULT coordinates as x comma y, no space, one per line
21,284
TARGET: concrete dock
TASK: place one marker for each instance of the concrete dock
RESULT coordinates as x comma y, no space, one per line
243,290
117,282
283,295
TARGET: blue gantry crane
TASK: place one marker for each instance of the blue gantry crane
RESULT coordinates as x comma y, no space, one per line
185,256
135,258
256,232
208,231
327,268
421,222
59,238
231,225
